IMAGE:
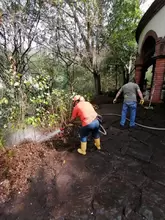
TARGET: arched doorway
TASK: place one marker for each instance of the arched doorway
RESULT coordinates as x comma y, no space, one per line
148,57
151,59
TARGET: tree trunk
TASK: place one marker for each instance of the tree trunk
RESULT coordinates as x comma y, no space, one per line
129,69
127,77
124,76
97,83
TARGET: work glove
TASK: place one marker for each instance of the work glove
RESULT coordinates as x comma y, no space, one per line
141,101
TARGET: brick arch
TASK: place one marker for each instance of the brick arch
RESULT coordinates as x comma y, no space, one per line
150,33
156,57
144,60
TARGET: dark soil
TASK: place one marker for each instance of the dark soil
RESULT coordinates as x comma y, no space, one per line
123,181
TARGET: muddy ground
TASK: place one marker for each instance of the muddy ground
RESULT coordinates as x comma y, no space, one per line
123,181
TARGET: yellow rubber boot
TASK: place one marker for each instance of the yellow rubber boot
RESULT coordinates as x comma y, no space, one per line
97,143
83,148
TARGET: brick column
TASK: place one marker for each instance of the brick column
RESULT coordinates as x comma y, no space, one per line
159,70
138,74
158,80
138,69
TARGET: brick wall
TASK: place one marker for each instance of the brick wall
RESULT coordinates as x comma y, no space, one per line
158,80
159,68
138,74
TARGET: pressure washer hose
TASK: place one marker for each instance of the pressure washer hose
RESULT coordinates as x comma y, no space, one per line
102,130
140,125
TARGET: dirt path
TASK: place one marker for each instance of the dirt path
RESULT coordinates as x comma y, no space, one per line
124,181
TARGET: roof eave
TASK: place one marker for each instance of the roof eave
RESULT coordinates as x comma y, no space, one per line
150,13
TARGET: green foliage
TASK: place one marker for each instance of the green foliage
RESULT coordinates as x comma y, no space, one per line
1,139
44,98
124,22
83,82
121,33
1,143
149,76
64,57
47,105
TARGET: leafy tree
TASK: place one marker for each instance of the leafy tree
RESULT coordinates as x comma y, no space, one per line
121,35
18,32
76,35
51,49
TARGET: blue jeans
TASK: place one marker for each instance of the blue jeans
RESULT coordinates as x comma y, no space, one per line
132,106
93,128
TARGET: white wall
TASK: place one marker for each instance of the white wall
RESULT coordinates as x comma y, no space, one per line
157,24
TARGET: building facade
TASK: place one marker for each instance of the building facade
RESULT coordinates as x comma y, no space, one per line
150,36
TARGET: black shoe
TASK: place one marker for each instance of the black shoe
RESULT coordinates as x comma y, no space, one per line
131,128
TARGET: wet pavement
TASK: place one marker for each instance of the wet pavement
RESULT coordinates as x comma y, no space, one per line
123,181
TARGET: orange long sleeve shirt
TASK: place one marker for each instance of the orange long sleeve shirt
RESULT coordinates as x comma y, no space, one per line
85,111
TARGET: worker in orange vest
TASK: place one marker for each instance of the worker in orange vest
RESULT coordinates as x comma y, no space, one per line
88,116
